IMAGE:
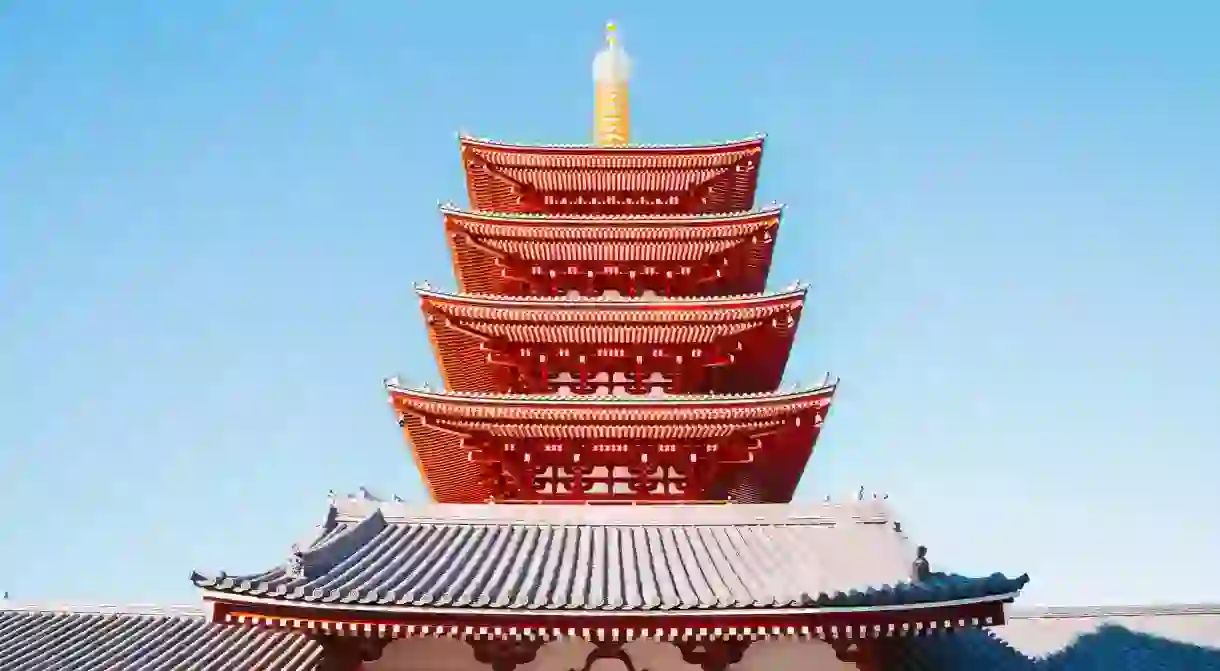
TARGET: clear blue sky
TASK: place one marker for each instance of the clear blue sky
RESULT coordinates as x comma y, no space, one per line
211,214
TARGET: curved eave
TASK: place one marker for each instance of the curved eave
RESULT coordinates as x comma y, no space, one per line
602,308
870,601
619,150
458,216
465,402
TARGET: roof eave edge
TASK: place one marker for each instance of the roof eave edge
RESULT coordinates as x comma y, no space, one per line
771,209
219,596
467,139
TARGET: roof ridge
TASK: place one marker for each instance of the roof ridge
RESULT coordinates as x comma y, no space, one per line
869,511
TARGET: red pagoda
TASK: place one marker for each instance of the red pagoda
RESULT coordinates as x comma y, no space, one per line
611,462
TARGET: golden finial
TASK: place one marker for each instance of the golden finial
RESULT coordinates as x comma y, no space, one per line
611,72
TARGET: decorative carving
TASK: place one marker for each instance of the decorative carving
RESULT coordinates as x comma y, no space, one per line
921,570
608,650
504,655
715,655
296,564
347,653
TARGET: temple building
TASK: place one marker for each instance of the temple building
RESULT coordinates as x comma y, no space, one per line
611,464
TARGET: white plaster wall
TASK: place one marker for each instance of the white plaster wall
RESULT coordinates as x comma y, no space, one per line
444,654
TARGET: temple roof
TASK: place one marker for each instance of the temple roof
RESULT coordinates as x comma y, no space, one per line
613,407
656,559
747,338
615,308
768,439
521,178
610,226
1062,639
726,146
619,320
731,253
149,638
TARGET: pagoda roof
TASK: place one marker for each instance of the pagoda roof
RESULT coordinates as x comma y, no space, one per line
654,559
608,225
463,326
526,178
481,241
148,638
726,146
781,426
555,310
583,409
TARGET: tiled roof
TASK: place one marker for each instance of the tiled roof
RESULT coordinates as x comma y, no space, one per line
618,408
1045,631
1147,638
610,226
672,431
79,638
612,150
474,335
485,244
636,559
50,638
588,179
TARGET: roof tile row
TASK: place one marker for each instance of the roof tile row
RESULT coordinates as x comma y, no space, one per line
36,639
836,557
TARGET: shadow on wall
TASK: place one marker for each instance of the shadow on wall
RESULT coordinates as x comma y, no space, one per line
1110,648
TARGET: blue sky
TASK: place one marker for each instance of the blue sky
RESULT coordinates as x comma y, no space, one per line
211,214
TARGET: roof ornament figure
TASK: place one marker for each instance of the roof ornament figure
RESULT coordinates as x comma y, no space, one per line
921,570
611,108
860,493
296,564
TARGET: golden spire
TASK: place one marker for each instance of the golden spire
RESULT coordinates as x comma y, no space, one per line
611,109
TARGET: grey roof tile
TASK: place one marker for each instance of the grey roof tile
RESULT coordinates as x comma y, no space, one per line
1143,638
640,558
1040,632
41,638
55,638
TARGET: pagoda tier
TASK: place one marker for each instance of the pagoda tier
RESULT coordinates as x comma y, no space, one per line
693,179
687,574
540,255
612,345
562,447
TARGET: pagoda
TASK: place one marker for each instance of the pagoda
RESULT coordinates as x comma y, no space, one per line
611,461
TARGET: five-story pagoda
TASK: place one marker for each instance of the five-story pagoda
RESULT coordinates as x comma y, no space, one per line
611,464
